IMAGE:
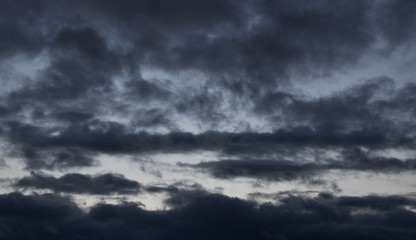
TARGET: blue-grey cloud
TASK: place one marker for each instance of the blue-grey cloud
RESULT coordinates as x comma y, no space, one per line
103,184
81,79
211,216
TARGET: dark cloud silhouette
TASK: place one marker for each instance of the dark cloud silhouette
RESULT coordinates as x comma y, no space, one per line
211,216
57,158
243,49
282,170
372,114
256,44
18,37
374,202
108,136
397,19
144,91
369,109
365,115
81,79
179,193
262,169
84,41
3,163
73,116
255,39
104,184
153,117
257,51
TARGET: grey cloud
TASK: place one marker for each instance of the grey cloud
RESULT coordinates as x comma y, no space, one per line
73,116
179,193
245,61
374,202
104,184
18,38
57,158
282,170
214,36
262,169
3,163
153,117
373,109
77,88
398,20
181,13
84,41
89,134
67,80
109,137
370,202
373,114
144,91
211,216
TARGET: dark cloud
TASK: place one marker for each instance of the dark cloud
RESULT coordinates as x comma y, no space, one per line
104,184
262,40
283,35
39,207
255,42
281,170
374,114
144,91
397,19
374,202
211,216
179,193
76,144
4,111
153,117
57,158
262,169
243,50
85,78
84,41
357,159
3,163
180,13
68,78
18,36
373,106
369,202
113,136
73,116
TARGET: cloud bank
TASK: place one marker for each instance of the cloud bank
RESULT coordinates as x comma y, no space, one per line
282,92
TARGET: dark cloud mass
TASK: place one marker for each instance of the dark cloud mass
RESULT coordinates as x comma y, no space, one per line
211,216
281,170
162,91
56,158
78,183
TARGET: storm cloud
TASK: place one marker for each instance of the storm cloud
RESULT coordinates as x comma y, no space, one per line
104,184
283,170
172,107
212,216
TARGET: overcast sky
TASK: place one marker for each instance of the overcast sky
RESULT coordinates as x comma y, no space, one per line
208,119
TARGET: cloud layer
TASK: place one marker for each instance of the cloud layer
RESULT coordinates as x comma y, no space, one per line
211,216
190,102
104,184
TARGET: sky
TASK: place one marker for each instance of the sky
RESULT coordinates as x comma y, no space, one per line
208,119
